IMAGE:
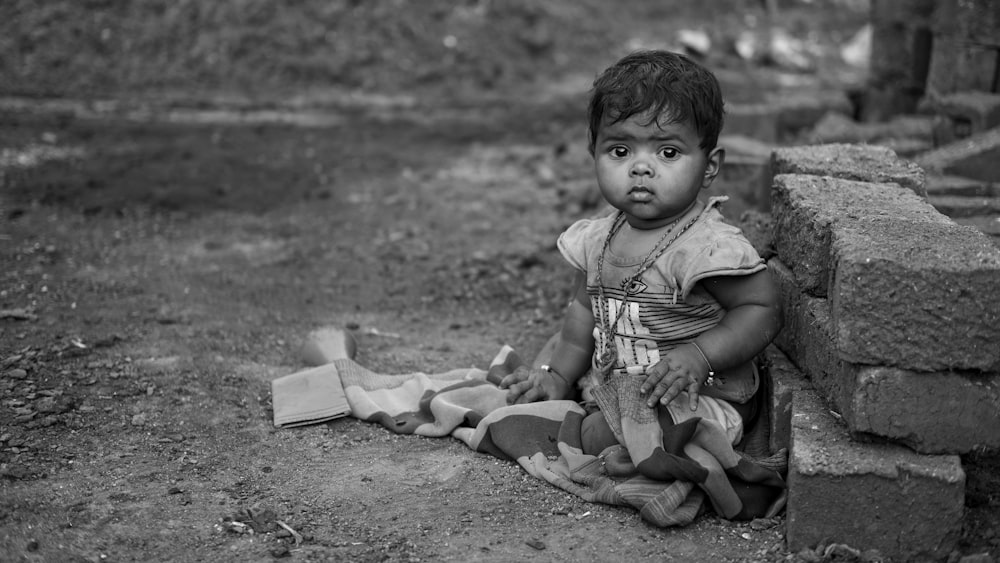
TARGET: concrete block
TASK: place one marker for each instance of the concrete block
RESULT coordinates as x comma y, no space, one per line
838,128
962,59
746,176
786,379
947,185
918,295
758,228
806,209
931,412
970,112
988,224
965,206
977,156
870,496
865,163
801,110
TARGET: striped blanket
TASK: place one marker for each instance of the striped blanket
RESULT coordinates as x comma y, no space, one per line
544,438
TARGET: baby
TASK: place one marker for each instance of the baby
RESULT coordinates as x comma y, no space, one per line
671,304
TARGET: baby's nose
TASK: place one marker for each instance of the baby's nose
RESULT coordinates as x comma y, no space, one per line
641,168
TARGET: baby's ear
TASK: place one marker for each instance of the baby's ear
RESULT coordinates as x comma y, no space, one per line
714,166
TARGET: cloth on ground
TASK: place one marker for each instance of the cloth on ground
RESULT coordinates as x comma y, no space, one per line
667,485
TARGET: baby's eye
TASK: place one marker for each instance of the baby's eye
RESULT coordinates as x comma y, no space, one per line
618,151
668,152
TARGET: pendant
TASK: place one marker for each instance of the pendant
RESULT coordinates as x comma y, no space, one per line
607,362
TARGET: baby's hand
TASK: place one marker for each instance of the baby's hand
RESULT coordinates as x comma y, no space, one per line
682,368
527,385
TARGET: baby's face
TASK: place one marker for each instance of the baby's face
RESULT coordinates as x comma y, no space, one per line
652,171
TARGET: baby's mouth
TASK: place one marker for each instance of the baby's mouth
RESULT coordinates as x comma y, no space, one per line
640,194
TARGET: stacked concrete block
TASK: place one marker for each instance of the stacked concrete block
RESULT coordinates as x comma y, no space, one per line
966,35
976,157
882,291
746,177
866,495
900,55
930,412
892,312
782,117
864,163
808,210
968,112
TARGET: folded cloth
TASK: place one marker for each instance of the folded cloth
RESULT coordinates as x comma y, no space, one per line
309,397
667,484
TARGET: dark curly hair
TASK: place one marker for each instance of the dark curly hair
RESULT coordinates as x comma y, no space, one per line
674,87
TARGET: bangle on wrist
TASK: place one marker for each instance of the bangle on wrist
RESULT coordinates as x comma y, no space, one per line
548,368
711,373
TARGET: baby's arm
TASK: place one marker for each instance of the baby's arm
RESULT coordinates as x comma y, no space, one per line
570,356
752,320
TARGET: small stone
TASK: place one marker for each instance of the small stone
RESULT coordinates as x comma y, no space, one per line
139,420
17,373
977,558
759,524
280,552
174,491
536,544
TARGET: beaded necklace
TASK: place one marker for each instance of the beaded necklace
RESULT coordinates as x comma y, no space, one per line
606,360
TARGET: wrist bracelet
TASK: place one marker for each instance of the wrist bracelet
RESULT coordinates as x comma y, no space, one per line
711,373
548,368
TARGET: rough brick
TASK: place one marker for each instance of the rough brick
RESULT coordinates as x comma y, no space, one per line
976,157
865,163
895,82
786,379
801,110
965,206
758,227
838,128
870,496
918,295
945,185
936,412
806,208
960,62
989,224
969,112
746,177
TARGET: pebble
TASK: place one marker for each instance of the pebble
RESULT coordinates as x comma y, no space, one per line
139,420
17,373
536,544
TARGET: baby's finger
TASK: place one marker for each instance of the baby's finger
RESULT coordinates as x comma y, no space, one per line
653,376
673,390
662,389
530,396
693,394
512,378
516,391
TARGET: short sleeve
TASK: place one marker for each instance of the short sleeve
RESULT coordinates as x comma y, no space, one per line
730,255
581,243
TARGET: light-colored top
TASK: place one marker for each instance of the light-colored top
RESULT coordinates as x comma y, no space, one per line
667,307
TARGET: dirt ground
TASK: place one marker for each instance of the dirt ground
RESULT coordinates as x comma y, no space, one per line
158,269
